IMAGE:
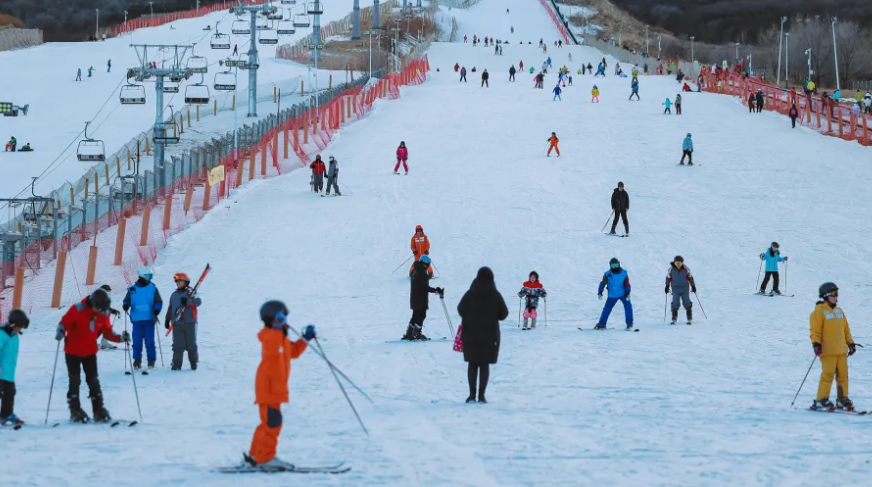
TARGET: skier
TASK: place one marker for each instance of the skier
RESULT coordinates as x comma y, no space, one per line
620,206
668,105
464,39
484,78
553,140
570,57
594,95
318,171
772,256
867,101
235,49
548,61
403,154
512,72
540,81
635,87
79,74
271,382
90,71
678,104
463,74
333,176
832,342
144,303
570,79
687,151
557,91
681,280
532,290
560,43
79,328
109,66
512,29
185,329
618,282
420,245
16,322
521,66
496,50
793,114
419,298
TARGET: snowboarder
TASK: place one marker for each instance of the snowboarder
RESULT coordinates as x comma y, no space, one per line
668,105
484,78
463,74
618,282
557,91
679,277
16,322
271,382
185,329
26,148
532,290
419,298
403,154
620,206
512,72
635,86
318,171
594,95
144,303
832,342
80,327
553,141
793,114
333,176
772,257
687,151
678,104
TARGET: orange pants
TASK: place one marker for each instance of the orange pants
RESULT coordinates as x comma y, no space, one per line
266,436
555,148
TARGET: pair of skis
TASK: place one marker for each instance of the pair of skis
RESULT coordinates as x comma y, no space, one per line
180,311
248,466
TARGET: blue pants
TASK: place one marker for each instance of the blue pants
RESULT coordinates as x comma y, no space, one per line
143,330
610,303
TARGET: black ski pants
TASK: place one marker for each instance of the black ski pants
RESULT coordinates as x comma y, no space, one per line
484,83
678,109
636,94
759,107
7,398
623,215
463,78
418,317
774,276
793,122
511,77
688,154
74,367
480,372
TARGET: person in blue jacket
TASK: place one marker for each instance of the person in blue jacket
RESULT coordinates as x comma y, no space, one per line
772,257
557,92
16,322
144,304
687,151
618,282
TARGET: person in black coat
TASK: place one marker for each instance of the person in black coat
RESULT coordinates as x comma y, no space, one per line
484,78
481,310
419,299
620,205
512,72
760,99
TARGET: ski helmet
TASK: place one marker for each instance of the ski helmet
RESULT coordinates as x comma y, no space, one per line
425,259
775,245
688,134
181,276
614,263
272,309
828,289
678,258
332,158
100,300
146,273
620,184
419,228
18,317
106,288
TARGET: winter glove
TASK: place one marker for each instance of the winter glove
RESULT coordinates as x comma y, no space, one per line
309,332
521,294
666,290
543,294
167,324
125,307
441,292
817,349
125,337
693,289
115,312
785,259
762,255
600,296
852,349
60,334
184,301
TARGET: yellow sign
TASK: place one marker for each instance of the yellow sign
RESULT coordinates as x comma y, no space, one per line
216,175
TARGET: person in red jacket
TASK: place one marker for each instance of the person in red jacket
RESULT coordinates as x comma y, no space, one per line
80,328
318,172
402,157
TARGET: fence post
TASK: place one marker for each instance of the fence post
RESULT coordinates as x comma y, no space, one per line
119,240
240,170
189,195
866,140
263,158
251,165
189,115
348,107
207,194
92,266
18,287
168,211
57,291
146,216
305,127
286,140
841,130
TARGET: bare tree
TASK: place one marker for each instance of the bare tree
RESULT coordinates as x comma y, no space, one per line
853,50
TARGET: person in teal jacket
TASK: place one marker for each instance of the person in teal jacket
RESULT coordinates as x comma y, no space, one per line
618,282
772,257
17,321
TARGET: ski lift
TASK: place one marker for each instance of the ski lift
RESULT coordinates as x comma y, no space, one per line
91,150
268,38
171,87
262,25
315,8
276,14
164,128
197,94
132,94
225,81
285,28
220,41
198,64
289,2
301,20
240,27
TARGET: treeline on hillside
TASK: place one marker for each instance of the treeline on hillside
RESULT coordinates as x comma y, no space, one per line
73,20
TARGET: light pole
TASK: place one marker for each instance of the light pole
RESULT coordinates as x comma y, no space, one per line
692,59
370,33
151,6
659,38
836,53
620,35
808,53
737,53
786,59
780,42
750,65
97,30
646,40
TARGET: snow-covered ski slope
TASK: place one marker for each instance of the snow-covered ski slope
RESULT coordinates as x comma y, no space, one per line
706,405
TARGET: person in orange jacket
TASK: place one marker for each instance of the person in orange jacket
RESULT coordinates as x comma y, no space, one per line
420,248
554,141
271,382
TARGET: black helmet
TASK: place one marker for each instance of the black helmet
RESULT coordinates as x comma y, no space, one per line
678,258
270,309
614,261
775,245
100,300
620,184
827,288
18,317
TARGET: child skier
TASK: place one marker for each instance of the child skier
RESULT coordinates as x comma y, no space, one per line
419,299
318,171
420,247
144,303
635,87
333,176
832,342
772,257
557,91
618,282
553,140
271,382
668,105
594,95
687,150
532,291
79,74
403,156
80,327
679,277
16,322
185,328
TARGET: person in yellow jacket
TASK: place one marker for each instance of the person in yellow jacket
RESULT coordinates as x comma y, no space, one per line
594,94
833,343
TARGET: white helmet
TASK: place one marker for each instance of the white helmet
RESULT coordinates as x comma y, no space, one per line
146,273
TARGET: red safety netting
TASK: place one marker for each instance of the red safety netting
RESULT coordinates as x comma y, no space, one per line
158,20
557,22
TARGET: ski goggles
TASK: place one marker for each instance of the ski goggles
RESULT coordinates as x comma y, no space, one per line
834,293
615,266
678,263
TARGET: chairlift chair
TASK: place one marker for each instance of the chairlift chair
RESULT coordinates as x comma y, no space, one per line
171,87
198,64
268,38
277,15
285,28
91,150
315,8
132,94
301,21
225,81
262,25
240,27
166,138
197,94
220,41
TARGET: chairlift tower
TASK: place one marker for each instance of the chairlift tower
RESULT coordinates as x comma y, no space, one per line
39,222
253,64
316,9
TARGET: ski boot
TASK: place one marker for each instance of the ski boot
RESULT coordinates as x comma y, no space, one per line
150,364
470,399
689,317
77,414
674,316
762,292
175,366
397,173
599,326
525,325
823,404
101,415
137,364
629,326
481,399
410,333
844,403
338,193
418,335
193,365
776,292
613,232
11,420
275,464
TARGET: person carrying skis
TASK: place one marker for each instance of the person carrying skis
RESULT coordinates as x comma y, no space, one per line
594,95
403,154
678,104
462,75
532,290
668,105
553,140
184,303
620,206
512,72
635,86
144,304
618,282
318,171
772,257
419,298
333,177
271,382
557,92
484,78
833,344
687,150
16,322
80,327
679,277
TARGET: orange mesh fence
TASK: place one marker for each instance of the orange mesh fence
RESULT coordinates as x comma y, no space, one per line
159,20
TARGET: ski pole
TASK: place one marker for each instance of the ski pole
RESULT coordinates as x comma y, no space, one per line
135,390
159,346
519,311
447,317
545,300
435,269
51,389
334,367
757,286
700,305
341,387
125,345
785,274
803,380
607,221
346,186
401,265
665,302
